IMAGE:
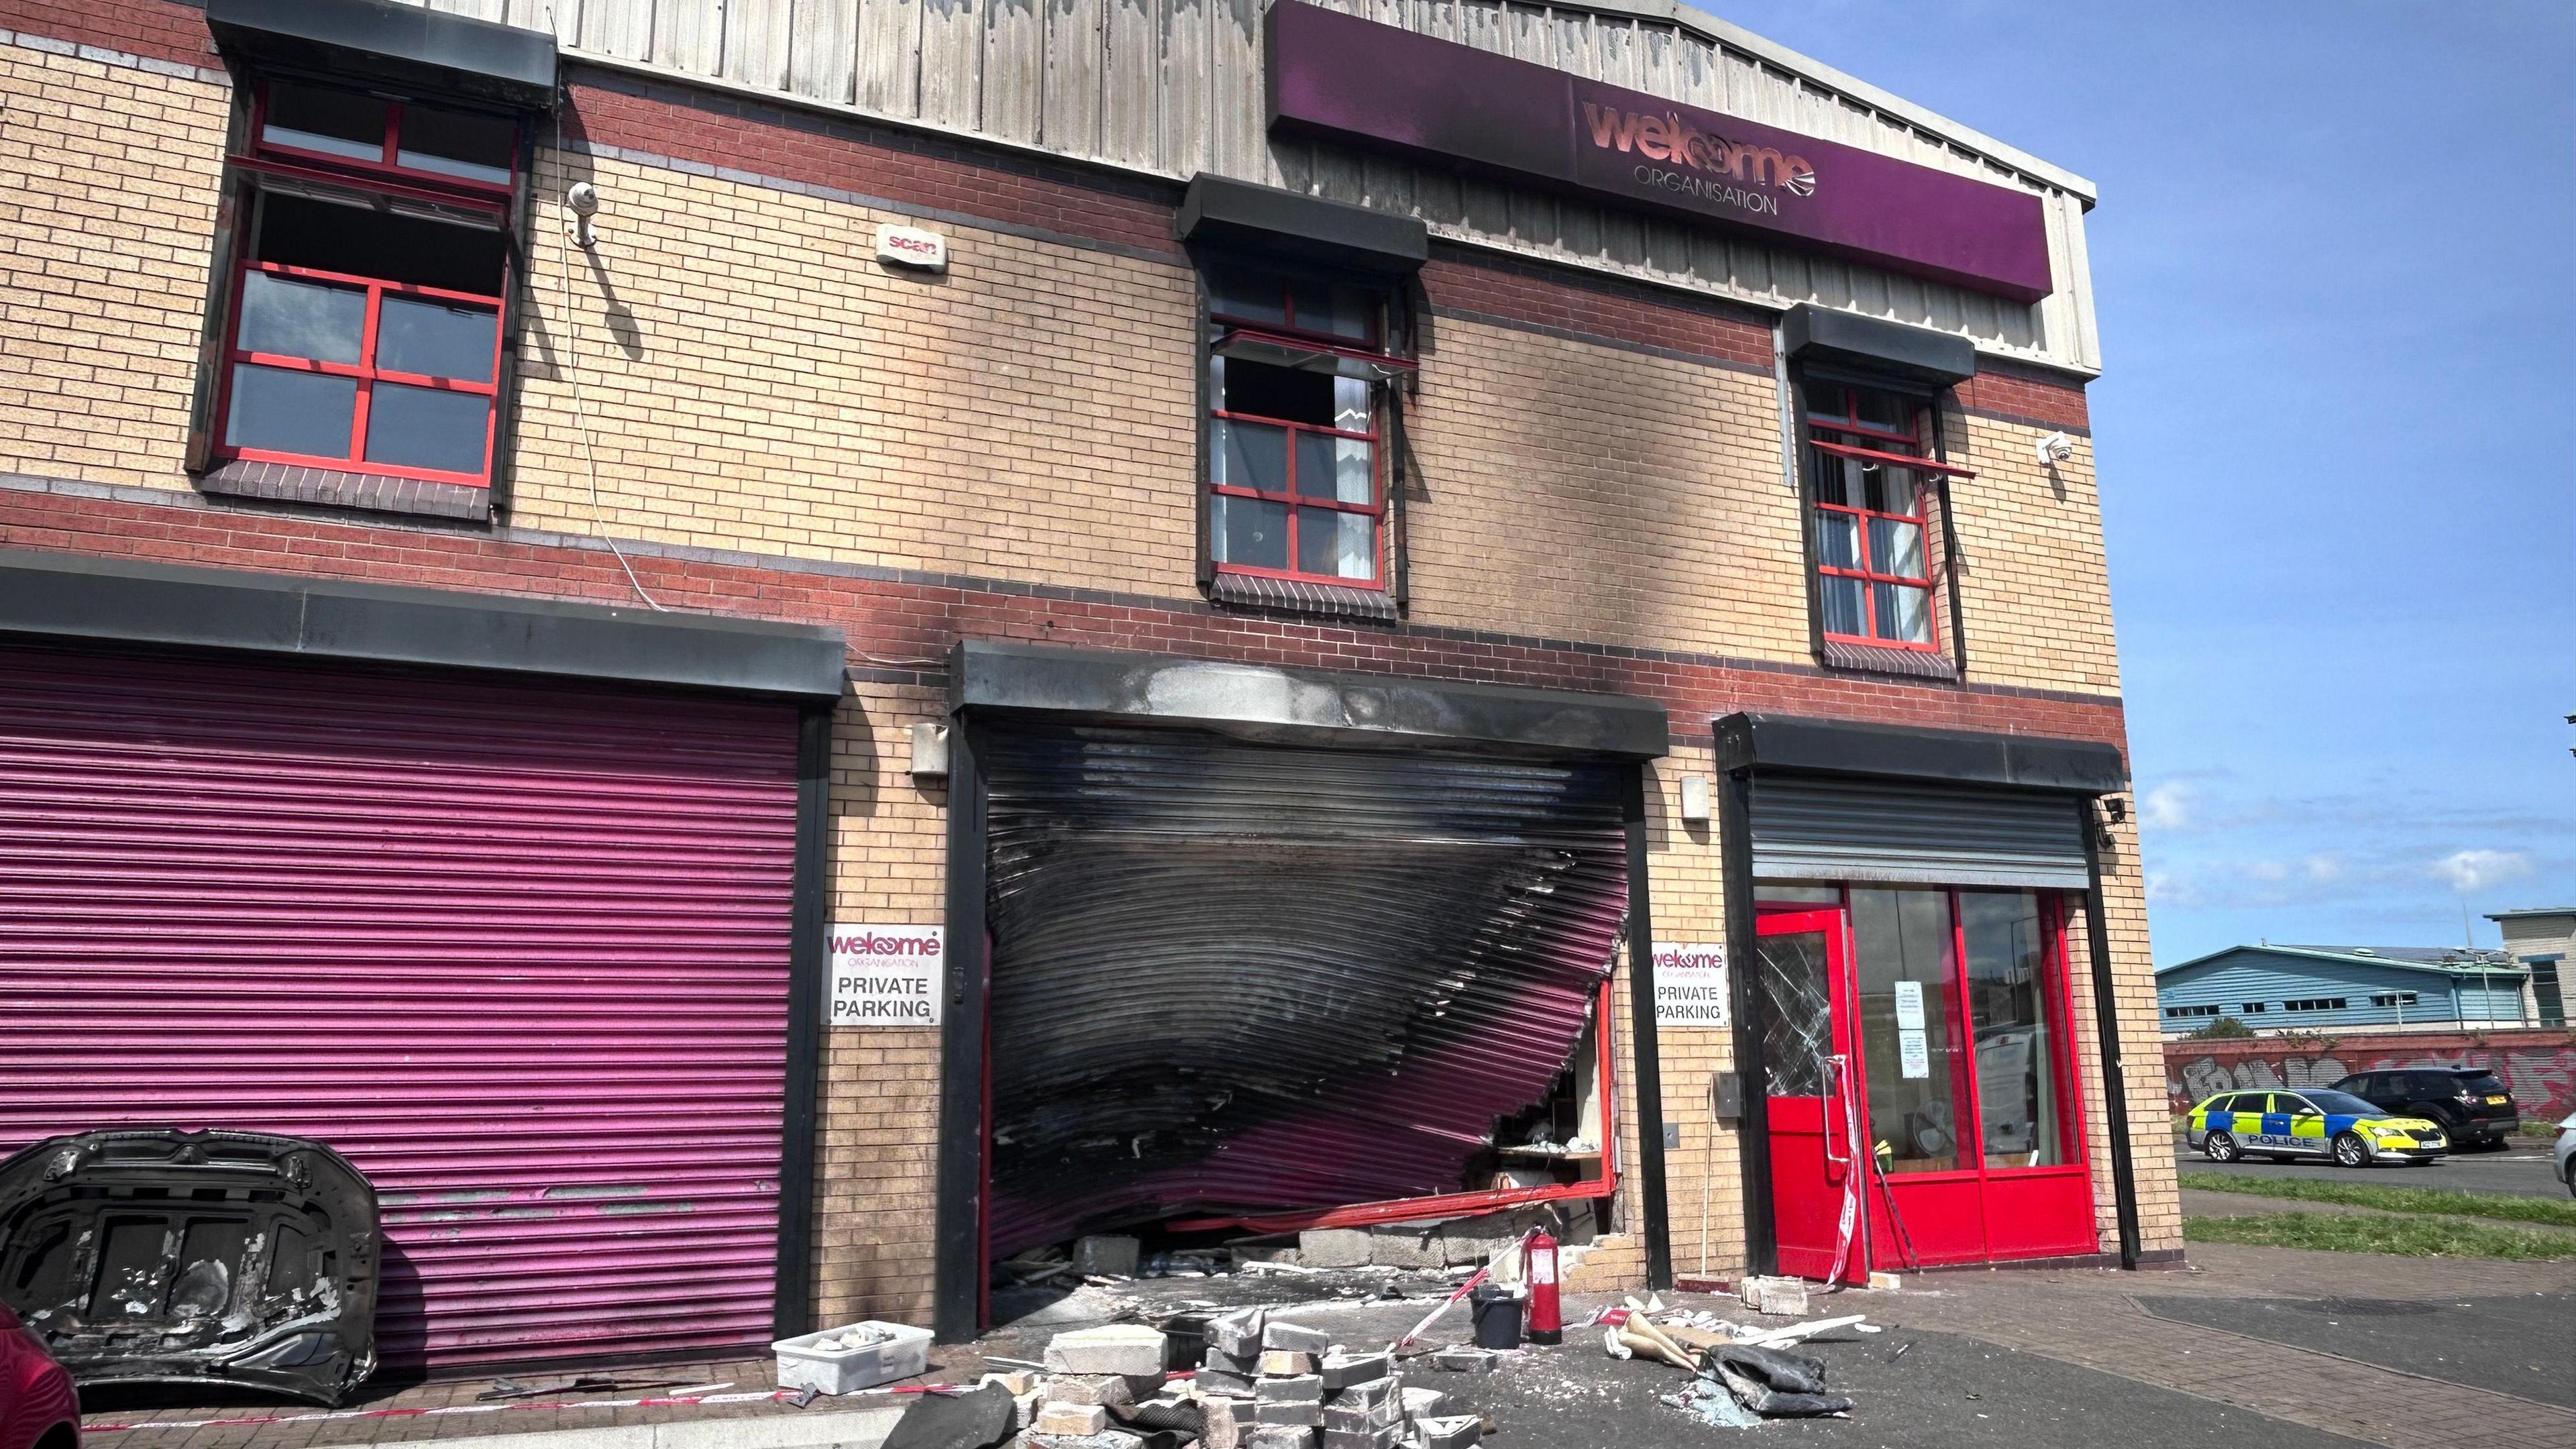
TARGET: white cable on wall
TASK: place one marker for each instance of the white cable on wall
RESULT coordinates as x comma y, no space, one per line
564,355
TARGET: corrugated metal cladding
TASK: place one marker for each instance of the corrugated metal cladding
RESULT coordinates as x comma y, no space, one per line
1174,87
1829,828
519,952
1238,977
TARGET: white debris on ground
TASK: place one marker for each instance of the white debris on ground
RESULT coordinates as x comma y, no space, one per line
1744,1372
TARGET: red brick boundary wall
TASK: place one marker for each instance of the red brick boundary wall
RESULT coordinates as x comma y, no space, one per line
2538,1067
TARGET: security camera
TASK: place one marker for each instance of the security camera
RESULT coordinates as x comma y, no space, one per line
2054,449
583,198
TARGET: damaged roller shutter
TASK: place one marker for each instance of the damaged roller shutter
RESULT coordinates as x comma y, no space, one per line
1232,977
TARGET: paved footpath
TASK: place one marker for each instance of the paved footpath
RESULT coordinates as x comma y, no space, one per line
2097,1320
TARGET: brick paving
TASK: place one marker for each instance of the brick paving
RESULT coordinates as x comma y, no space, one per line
2093,1319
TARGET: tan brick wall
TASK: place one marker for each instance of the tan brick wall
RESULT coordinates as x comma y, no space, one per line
754,379
108,182
1575,490
878,1107
2141,1054
1704,1176
2034,584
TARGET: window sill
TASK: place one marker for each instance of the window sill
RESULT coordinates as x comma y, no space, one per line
1257,591
1880,659
339,488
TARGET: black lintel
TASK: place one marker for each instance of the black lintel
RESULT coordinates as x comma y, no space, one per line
74,596
1301,706
407,47
1811,334
1968,757
1291,224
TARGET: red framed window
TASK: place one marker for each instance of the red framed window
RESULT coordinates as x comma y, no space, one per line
1873,557
1296,373
363,331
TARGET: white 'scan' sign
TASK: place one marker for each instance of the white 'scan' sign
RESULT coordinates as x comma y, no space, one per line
885,975
1690,985
910,246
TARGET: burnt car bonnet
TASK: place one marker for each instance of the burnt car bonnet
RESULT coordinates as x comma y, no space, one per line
154,1255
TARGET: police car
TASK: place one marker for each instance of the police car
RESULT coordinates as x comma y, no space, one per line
2286,1126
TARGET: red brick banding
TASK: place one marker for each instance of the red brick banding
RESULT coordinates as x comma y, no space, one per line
892,620
2000,390
1542,296
154,29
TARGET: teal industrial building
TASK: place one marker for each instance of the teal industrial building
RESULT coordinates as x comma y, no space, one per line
2274,989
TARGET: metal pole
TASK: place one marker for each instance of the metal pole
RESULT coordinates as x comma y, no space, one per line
2106,1013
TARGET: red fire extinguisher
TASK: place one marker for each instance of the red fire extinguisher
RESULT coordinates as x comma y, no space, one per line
1545,1326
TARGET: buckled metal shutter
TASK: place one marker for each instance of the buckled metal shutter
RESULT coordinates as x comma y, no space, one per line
1832,828
518,950
1239,977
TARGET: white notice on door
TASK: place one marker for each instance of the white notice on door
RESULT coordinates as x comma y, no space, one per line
1913,1056
1690,984
1909,1006
884,976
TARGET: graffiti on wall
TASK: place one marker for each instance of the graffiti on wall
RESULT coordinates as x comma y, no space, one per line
2541,1074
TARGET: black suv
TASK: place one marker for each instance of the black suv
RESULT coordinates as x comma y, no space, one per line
2470,1102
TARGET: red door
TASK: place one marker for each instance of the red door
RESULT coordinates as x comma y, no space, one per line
1807,1070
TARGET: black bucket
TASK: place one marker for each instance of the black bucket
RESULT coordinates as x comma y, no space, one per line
1497,1313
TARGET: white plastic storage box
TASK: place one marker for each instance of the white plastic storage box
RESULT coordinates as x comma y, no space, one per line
899,1352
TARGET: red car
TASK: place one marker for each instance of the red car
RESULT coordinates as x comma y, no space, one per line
38,1409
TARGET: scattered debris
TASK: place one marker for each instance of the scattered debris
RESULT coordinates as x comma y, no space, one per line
853,1358
1743,1373
505,1388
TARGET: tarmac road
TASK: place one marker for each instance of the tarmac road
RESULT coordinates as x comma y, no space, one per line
2518,1171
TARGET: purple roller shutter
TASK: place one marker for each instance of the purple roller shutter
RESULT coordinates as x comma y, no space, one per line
519,950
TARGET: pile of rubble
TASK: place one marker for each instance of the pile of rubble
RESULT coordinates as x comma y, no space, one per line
1262,1384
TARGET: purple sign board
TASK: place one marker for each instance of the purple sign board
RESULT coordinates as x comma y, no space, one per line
1356,80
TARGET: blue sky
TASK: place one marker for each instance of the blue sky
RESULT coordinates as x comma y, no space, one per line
2335,259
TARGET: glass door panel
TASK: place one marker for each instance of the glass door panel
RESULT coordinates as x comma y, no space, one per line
1904,1015
2003,941
1798,969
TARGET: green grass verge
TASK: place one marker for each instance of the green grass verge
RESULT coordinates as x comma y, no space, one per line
2558,1212
2361,1233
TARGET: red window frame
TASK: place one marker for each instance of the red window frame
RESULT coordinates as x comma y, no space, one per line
1876,445
384,176
1236,327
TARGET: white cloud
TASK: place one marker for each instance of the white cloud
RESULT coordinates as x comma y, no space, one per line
2471,871
2166,807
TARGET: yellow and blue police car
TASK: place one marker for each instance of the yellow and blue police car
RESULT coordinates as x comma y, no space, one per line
2311,1123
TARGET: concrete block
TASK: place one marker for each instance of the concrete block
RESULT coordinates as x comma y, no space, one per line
1774,1295
1424,1403
1333,1247
1341,1370
1295,1338
1386,1437
1237,1334
1466,1250
1109,1255
1108,1390
1221,1381
1367,1418
1248,1362
1014,1383
1280,1363
1457,1431
1402,1247
1116,1348
1309,1416
1292,1389
1281,1436
1370,1394
1228,1422
1466,1360
1071,1419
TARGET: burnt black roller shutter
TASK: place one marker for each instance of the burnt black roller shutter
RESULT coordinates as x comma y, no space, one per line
1823,827
1244,977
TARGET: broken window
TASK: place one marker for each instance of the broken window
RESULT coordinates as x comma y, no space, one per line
364,314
